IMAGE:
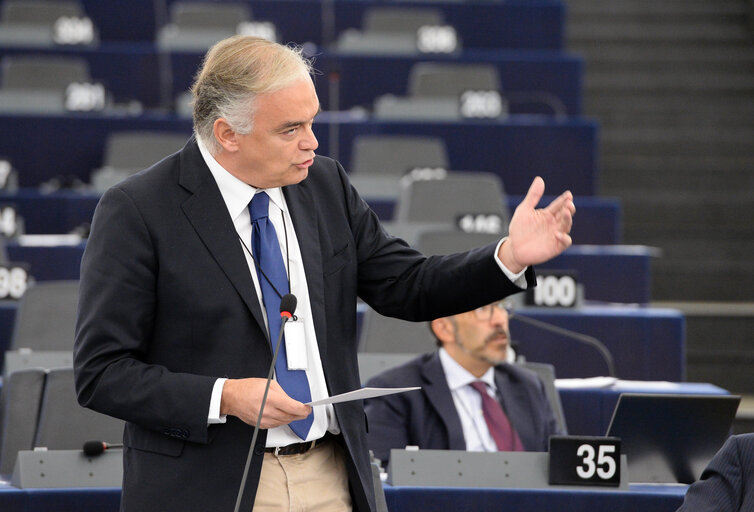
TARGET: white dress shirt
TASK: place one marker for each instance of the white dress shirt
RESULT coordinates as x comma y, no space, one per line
469,404
237,196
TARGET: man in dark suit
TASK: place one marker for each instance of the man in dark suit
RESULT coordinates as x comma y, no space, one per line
173,336
727,483
447,413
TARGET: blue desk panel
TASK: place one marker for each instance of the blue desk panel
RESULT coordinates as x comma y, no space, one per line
595,266
133,71
646,343
609,273
480,24
644,498
588,411
599,219
51,213
564,153
362,79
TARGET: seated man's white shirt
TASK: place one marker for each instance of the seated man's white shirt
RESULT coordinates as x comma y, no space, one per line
468,403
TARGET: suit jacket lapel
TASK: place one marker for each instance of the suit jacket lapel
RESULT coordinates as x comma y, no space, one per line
302,210
438,394
512,397
207,212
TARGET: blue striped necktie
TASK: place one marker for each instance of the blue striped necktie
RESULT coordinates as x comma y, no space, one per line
269,260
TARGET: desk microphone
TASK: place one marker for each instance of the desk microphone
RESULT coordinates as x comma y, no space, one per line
583,338
93,448
287,308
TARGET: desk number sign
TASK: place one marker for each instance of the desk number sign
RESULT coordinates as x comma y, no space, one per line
584,460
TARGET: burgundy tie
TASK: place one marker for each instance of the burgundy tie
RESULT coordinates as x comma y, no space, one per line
501,429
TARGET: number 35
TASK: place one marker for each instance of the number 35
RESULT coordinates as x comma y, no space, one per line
605,465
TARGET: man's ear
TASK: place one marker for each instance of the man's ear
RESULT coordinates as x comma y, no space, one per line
443,329
225,135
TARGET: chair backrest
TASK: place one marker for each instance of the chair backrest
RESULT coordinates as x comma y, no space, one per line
374,363
136,150
46,316
43,73
397,154
129,152
384,334
63,423
16,360
436,79
20,399
450,241
403,20
546,372
39,12
444,200
187,15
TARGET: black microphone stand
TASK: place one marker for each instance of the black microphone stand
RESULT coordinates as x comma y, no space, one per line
287,308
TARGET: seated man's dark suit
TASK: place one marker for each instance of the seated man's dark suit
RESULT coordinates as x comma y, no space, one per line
428,418
168,305
727,483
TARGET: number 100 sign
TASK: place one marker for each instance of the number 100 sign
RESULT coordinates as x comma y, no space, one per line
584,460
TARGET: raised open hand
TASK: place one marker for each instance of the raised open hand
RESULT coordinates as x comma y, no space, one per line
537,235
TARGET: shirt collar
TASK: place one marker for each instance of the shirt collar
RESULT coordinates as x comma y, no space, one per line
458,376
236,194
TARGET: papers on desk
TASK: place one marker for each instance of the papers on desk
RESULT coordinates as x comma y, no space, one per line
49,240
634,386
360,394
591,382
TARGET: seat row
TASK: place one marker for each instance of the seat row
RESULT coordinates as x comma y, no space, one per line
353,25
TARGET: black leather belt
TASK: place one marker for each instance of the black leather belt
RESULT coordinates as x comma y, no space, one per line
296,448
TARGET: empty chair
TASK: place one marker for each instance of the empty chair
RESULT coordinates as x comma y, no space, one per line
470,201
379,161
390,335
129,152
446,91
44,23
546,372
397,154
43,73
38,84
452,240
195,26
437,79
46,316
373,363
20,399
16,360
389,30
65,425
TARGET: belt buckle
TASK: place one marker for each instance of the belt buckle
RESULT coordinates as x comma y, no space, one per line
278,449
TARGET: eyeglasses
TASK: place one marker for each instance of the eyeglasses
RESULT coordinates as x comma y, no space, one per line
484,314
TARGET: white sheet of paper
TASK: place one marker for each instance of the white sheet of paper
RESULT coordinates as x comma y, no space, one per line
360,394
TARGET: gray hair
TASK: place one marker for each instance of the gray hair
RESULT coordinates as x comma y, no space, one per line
234,72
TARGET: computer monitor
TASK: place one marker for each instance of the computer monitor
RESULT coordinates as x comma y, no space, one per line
670,438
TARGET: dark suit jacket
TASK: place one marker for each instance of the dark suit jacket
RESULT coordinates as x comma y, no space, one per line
727,483
167,305
428,418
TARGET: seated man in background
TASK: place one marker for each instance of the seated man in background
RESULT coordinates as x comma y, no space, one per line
471,398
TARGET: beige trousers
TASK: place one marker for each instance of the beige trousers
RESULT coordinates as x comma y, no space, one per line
315,481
